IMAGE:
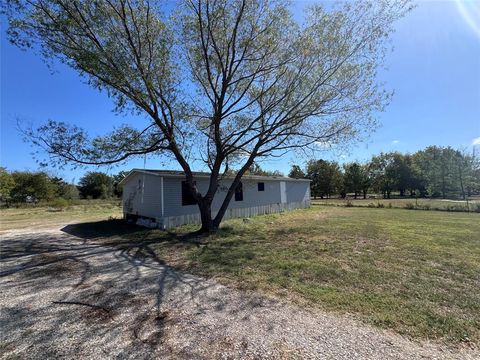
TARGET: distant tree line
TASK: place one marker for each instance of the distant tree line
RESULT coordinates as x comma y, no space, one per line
39,186
255,169
437,172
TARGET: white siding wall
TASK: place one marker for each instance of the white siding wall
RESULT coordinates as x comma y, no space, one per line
251,195
142,196
298,191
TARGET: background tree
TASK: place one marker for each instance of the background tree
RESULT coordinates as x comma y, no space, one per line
438,167
32,187
96,185
296,172
417,182
256,169
232,81
7,184
326,177
64,190
117,189
466,174
472,170
353,178
367,177
399,172
381,181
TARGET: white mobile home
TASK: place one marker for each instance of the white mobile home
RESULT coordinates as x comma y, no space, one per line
160,198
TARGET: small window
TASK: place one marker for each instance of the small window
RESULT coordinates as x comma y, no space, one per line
187,196
261,186
239,192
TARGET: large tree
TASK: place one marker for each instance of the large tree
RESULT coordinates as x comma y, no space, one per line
32,187
381,180
96,185
326,177
223,82
354,178
439,167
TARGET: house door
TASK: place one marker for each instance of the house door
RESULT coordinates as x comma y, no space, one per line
283,192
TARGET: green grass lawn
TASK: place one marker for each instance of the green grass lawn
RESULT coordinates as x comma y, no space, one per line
417,272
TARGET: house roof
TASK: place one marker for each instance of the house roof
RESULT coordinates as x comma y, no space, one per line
199,174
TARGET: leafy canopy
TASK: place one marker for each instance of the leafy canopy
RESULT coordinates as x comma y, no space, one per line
221,82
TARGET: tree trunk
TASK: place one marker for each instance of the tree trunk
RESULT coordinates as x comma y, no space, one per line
443,185
208,226
460,175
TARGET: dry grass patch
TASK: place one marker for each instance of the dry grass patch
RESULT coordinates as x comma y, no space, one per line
42,217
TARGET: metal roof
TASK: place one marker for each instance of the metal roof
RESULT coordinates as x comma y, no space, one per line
199,174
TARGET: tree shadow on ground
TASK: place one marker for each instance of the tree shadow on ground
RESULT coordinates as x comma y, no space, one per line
120,230
102,229
98,281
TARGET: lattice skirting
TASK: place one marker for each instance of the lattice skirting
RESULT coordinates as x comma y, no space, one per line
173,221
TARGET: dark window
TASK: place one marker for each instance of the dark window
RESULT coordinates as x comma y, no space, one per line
239,192
261,186
187,196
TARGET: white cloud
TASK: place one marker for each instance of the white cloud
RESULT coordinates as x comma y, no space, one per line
476,141
324,144
395,142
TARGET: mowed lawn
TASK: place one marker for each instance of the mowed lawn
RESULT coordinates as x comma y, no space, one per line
417,272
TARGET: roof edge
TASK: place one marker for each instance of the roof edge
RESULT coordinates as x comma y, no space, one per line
206,175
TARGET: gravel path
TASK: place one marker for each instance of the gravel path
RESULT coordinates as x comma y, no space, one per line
66,297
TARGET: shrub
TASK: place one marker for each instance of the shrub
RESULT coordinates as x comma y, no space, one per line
456,208
371,205
60,203
380,205
389,205
426,207
409,206
348,203
476,207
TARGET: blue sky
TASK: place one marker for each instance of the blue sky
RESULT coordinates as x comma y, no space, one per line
434,71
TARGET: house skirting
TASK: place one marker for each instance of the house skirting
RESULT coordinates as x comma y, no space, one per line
168,222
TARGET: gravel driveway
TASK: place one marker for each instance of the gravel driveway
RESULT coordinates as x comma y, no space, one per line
66,297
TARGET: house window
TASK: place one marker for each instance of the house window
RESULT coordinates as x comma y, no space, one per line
239,192
187,196
261,186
